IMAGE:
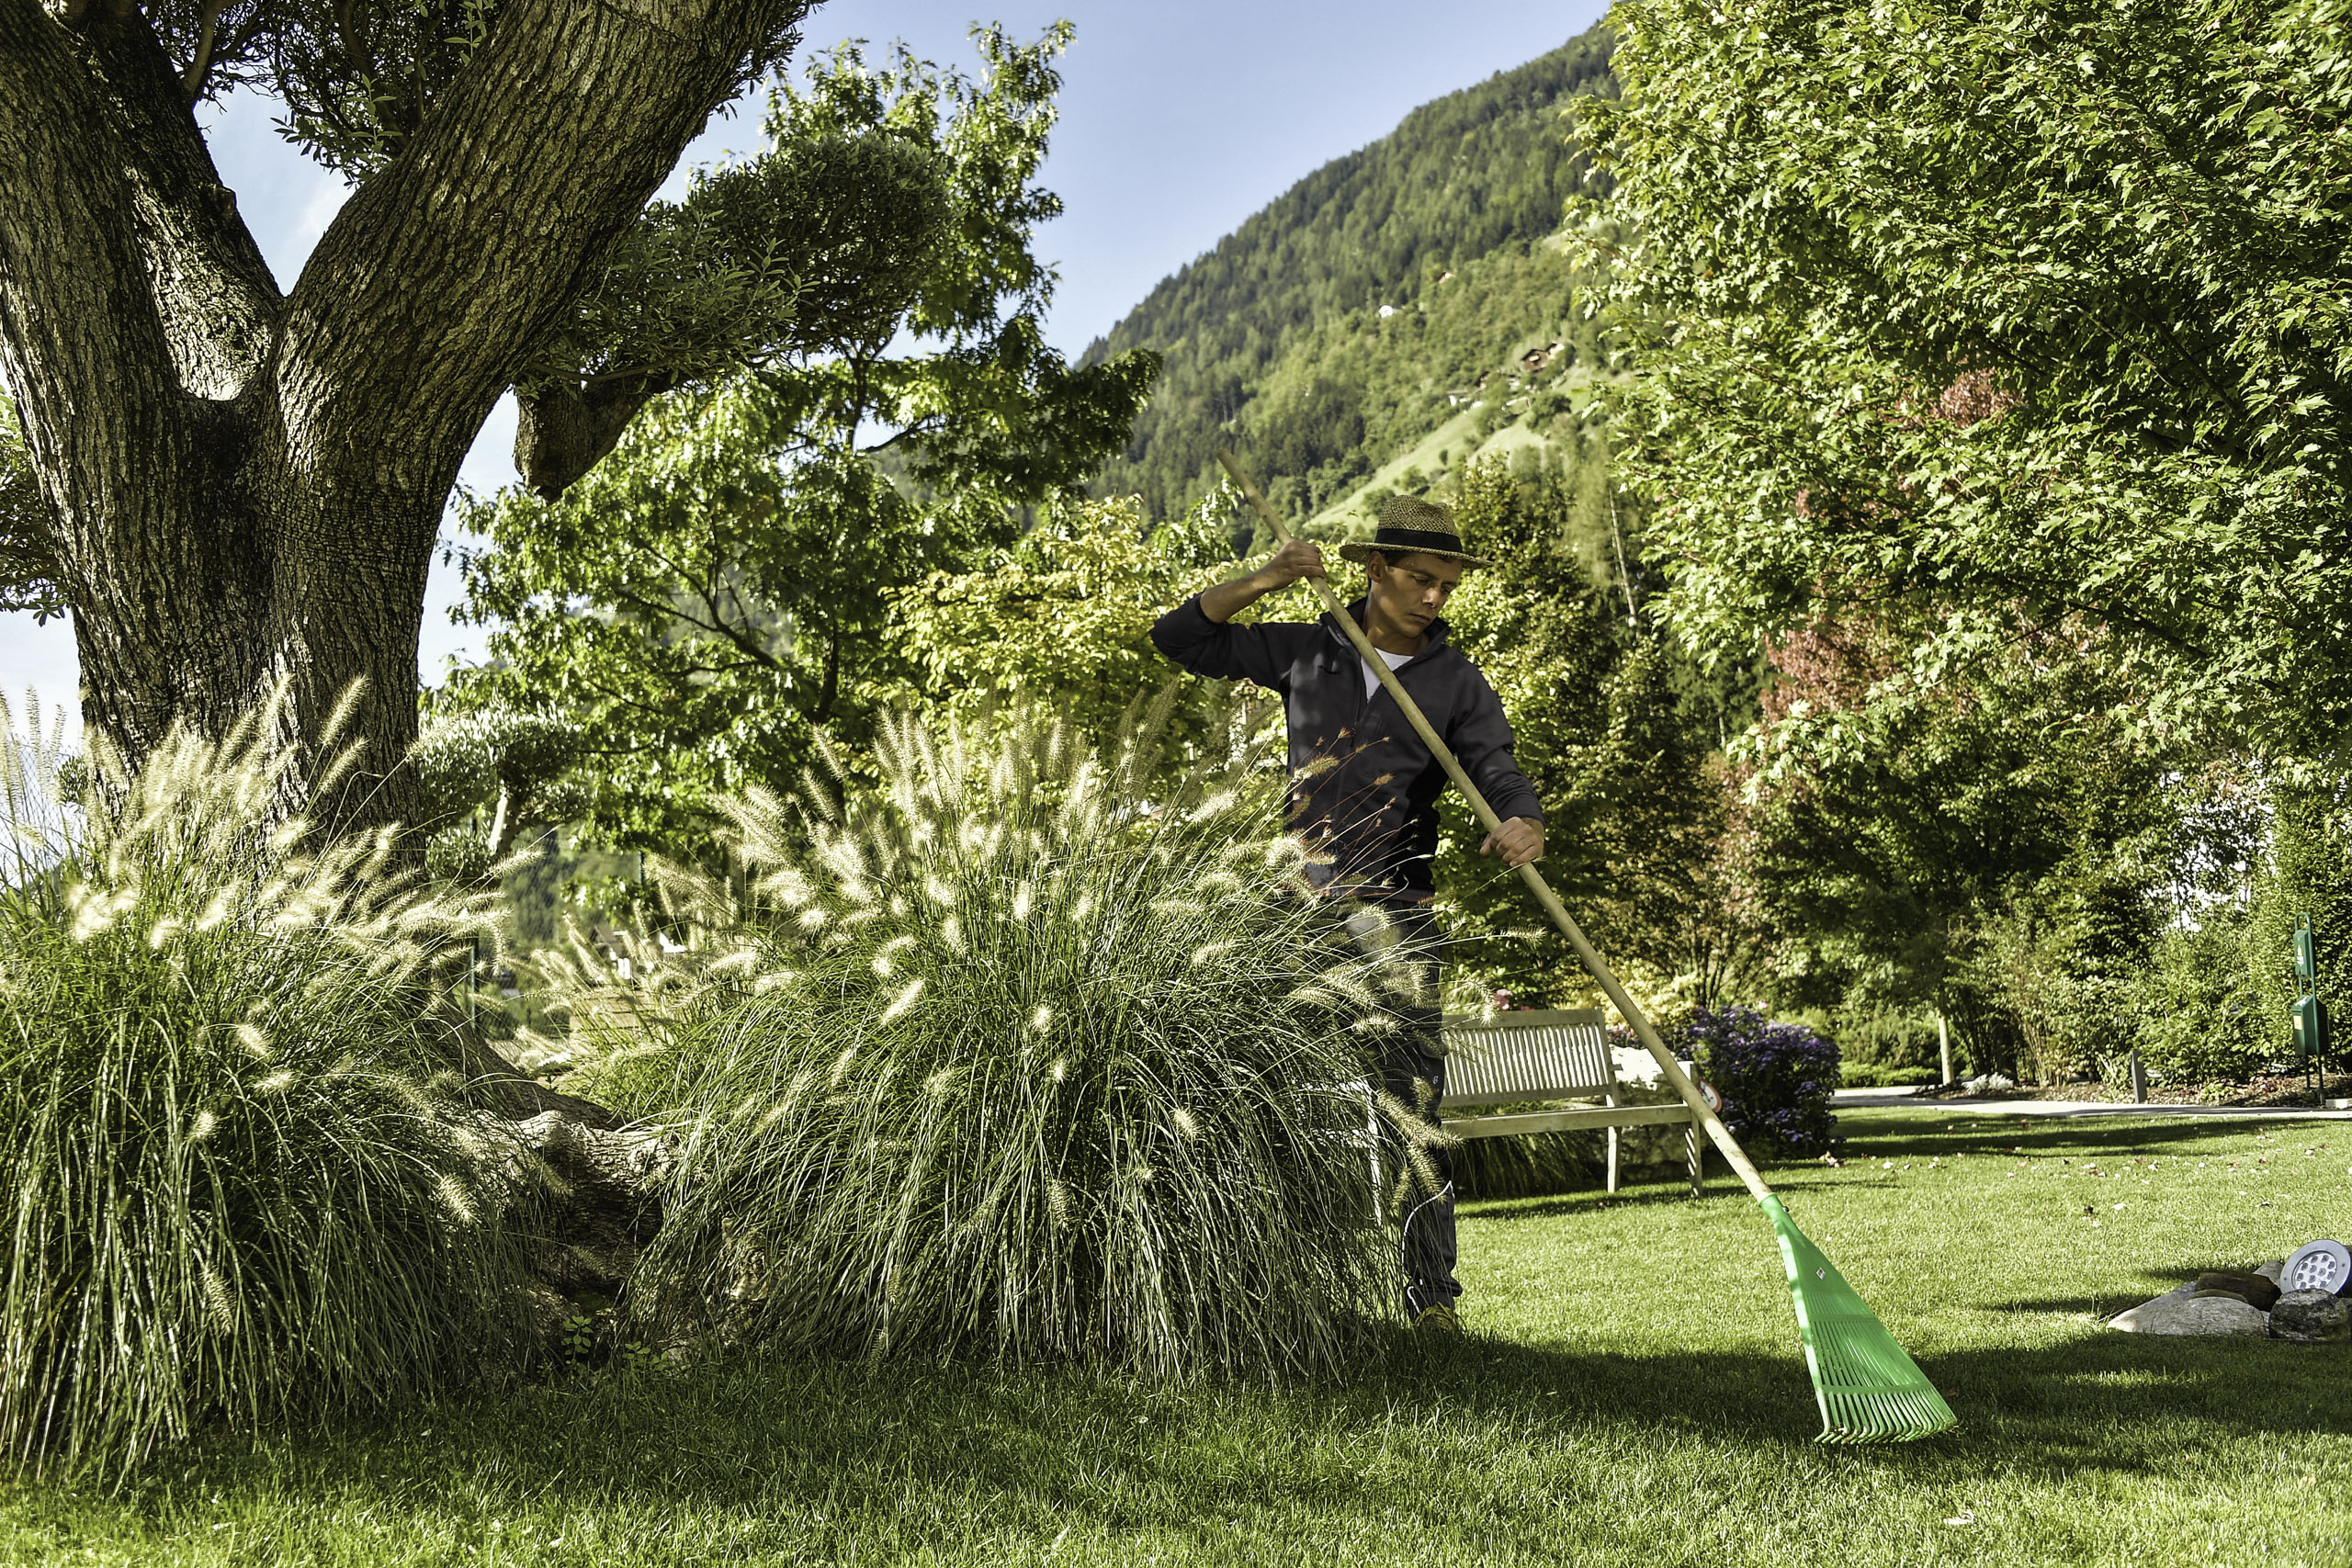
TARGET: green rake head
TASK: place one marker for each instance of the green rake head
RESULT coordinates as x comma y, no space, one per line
1871,1391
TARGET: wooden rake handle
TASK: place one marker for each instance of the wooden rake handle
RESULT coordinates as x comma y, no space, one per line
1586,953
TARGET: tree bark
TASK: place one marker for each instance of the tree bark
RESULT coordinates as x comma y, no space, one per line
247,486
564,429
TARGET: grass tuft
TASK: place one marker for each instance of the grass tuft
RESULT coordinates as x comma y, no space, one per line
240,1192
1063,1068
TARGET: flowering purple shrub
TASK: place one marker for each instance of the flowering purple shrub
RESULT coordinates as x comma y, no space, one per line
1775,1079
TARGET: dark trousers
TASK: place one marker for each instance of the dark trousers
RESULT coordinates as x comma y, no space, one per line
1412,1070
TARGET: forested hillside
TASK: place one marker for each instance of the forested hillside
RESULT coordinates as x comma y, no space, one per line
1392,292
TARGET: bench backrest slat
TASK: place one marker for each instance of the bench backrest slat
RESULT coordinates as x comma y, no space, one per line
1528,1056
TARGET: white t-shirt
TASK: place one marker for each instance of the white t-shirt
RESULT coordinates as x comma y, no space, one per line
1395,661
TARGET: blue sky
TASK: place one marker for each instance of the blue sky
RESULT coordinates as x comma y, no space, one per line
1178,122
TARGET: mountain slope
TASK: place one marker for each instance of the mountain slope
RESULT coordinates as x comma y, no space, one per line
1386,294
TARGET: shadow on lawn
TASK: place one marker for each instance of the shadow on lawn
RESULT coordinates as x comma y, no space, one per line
1880,1134
2072,1403
784,1437
1915,1137
779,1435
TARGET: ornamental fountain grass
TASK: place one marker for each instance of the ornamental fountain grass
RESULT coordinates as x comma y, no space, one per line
1019,1056
241,1190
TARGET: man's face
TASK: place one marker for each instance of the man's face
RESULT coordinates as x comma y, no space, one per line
1410,590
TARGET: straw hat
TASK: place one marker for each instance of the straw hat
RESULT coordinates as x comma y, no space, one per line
1409,525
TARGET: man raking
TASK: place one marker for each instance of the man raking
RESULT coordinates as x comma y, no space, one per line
1370,811
1867,1386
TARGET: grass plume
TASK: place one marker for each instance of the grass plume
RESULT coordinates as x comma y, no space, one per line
1017,1056
242,1189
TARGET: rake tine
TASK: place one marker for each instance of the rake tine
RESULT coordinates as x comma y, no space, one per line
1869,1387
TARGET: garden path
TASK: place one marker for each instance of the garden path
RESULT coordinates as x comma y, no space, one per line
1847,1099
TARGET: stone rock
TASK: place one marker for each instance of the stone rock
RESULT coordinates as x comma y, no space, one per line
2255,1289
2312,1316
2273,1270
2186,1309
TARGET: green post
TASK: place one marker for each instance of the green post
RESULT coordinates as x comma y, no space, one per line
2310,1013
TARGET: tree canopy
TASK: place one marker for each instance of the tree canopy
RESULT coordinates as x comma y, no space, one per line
239,486
731,576
2014,316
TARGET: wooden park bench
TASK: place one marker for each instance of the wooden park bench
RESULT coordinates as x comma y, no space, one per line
1534,1058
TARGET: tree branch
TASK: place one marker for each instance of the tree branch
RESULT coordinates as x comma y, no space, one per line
131,293
199,64
434,280
562,430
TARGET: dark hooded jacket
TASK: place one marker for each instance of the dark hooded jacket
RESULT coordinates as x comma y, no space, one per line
1372,808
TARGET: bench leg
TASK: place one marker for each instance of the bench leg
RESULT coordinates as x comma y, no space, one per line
1611,1100
1698,1157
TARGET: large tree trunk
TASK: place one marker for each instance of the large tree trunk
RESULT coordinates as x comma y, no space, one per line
247,487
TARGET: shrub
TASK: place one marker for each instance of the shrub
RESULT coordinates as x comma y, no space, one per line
1776,1079
2196,1006
1008,1060
238,1189
2306,869
1888,1039
1865,1075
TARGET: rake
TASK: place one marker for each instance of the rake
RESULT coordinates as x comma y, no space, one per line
1869,1387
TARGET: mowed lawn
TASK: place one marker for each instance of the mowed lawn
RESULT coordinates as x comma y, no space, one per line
1632,1392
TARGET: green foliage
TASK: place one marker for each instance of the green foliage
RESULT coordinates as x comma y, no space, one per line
694,608
357,77
825,237
2003,849
27,570
1881,1075
2200,1021
1878,1043
1610,729
2064,960
1350,395
1019,1057
1062,617
727,581
243,1191
1997,311
510,771
2308,870
1276,333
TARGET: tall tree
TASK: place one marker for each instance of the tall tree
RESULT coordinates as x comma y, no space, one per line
2008,314
239,485
732,577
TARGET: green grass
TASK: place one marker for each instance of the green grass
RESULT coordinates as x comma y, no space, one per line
1633,1394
